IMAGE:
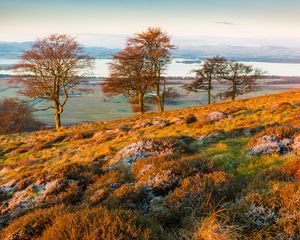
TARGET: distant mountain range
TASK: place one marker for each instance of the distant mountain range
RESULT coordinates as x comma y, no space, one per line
13,50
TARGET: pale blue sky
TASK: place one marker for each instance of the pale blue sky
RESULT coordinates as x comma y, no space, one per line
107,23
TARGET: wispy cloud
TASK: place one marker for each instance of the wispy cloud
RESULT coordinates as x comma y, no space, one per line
226,23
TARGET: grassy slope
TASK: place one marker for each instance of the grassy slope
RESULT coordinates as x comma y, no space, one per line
229,153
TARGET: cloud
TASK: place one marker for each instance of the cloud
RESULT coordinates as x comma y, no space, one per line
226,23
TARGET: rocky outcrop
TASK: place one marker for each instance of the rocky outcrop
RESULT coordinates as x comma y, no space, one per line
296,145
217,116
163,181
35,195
270,144
148,148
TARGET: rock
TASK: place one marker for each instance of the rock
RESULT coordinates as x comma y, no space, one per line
148,148
122,127
261,216
160,123
190,119
178,121
163,181
34,196
270,144
217,116
296,145
142,125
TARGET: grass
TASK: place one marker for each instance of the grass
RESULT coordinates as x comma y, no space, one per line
217,177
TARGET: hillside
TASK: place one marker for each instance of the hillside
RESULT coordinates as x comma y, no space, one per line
225,171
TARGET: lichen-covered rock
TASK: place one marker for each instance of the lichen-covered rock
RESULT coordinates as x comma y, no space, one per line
148,148
296,145
141,125
160,123
261,216
270,144
178,121
217,116
35,195
163,180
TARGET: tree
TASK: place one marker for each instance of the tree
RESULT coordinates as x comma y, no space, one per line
205,75
157,46
16,116
240,78
52,67
129,75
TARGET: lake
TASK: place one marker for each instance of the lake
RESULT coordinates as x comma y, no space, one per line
95,106
178,68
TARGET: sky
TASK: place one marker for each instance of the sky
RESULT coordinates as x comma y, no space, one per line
191,22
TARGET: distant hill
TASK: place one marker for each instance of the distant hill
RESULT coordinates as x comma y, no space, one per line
242,53
13,50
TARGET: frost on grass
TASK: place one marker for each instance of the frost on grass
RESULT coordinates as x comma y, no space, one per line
149,148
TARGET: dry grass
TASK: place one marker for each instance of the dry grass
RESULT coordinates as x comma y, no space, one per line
183,192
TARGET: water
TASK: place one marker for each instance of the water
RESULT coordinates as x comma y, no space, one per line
177,68
95,106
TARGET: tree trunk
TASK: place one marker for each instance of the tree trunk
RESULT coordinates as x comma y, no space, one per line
57,115
160,104
209,93
141,103
234,91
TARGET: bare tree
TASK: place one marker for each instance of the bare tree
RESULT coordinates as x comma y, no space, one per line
157,47
129,75
52,67
205,75
240,78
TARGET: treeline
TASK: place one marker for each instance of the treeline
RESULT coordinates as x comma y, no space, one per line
57,64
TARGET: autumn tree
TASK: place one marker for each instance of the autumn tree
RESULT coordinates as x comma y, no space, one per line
16,116
240,79
157,46
129,75
52,67
208,71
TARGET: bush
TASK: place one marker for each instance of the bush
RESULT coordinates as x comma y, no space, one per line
100,223
16,116
32,225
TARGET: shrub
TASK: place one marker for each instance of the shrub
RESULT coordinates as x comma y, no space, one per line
215,227
16,116
32,225
100,223
198,194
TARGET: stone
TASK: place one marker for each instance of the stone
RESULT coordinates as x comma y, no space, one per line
148,148
178,121
270,144
190,119
217,116
163,181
